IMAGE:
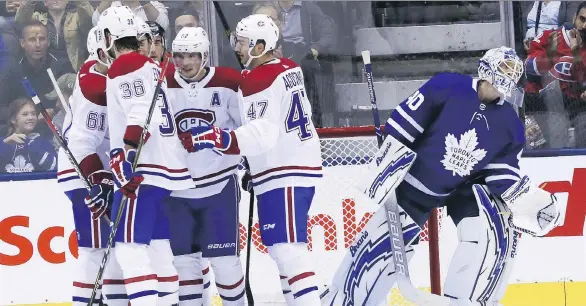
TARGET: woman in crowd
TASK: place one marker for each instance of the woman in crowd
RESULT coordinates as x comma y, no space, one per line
24,150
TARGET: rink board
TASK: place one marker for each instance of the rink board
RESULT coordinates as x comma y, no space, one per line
37,242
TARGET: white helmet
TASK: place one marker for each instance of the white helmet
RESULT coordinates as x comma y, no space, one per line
120,22
193,40
258,27
95,41
502,68
142,28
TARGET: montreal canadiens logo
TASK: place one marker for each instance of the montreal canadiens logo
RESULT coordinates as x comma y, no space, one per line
562,70
189,118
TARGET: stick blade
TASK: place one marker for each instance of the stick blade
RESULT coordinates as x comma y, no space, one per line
365,57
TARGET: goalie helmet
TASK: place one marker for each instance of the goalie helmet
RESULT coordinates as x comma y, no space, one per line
502,68
193,40
118,22
258,27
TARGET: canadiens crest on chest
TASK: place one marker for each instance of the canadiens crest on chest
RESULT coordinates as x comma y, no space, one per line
189,118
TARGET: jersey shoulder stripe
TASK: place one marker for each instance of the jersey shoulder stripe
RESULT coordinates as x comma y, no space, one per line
92,84
262,77
170,76
225,77
128,63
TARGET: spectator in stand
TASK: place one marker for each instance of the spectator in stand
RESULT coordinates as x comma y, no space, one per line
23,150
8,11
65,83
308,34
188,17
37,60
552,15
146,10
67,29
10,54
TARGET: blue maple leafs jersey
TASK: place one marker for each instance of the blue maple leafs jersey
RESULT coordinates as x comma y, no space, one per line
457,137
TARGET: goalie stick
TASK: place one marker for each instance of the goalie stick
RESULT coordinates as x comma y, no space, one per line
247,288
394,222
114,225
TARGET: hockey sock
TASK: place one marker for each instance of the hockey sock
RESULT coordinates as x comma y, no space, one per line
190,279
87,266
161,258
113,289
293,262
205,270
229,279
286,288
140,278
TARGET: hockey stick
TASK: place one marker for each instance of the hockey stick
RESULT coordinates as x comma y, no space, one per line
393,218
247,288
64,103
114,225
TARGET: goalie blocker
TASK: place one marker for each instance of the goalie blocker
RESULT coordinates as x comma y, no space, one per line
488,240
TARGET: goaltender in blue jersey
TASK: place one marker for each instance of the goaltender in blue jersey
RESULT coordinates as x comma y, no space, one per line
464,140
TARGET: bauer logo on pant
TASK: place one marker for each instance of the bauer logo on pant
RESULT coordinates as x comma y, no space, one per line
461,156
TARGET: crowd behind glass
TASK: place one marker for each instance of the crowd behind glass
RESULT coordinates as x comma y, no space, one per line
323,37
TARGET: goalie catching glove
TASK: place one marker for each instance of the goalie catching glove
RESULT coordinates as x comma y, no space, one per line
210,137
101,194
534,210
121,164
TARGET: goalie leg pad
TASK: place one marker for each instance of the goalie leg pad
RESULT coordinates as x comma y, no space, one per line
140,279
161,259
293,261
282,214
482,263
366,273
229,279
189,268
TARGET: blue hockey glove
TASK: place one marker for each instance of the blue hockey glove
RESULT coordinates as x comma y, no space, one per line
210,137
124,178
101,194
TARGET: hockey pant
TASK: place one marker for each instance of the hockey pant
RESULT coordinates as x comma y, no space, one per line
282,215
143,252
207,229
92,238
478,272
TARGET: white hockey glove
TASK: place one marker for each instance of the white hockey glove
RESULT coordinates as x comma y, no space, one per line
534,210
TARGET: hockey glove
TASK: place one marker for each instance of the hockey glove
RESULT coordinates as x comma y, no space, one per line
101,194
121,164
210,137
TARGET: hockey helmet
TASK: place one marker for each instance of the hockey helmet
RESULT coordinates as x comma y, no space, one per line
192,40
502,68
258,27
119,22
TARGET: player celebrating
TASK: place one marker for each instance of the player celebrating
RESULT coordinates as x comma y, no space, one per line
86,129
145,37
282,148
468,140
158,48
142,247
207,215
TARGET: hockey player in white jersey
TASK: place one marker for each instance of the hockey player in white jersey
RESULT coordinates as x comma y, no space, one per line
282,147
204,220
145,37
86,133
458,141
142,240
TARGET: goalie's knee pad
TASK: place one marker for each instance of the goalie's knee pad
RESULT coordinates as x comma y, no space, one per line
140,278
161,258
483,260
189,268
229,279
294,263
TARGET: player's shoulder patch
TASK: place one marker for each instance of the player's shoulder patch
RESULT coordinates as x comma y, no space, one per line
170,77
92,84
225,77
261,78
128,63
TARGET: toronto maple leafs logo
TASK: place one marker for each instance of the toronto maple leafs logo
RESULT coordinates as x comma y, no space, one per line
19,165
461,156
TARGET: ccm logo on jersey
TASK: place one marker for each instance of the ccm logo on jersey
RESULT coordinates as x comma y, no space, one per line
221,245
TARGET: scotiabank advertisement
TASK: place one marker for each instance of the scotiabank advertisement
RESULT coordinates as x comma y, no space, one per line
38,241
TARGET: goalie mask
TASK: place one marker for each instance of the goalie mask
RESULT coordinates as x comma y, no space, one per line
257,27
191,40
115,23
502,68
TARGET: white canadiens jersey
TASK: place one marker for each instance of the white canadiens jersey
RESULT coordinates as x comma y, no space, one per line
213,100
277,136
85,128
131,82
